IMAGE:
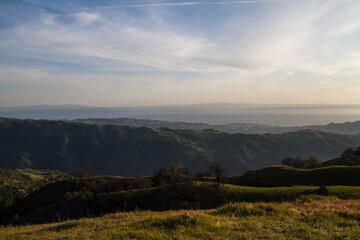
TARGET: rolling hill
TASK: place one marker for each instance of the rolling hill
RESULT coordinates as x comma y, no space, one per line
17,183
51,203
129,151
278,176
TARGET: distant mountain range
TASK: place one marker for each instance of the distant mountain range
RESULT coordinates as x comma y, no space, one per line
216,114
349,128
126,150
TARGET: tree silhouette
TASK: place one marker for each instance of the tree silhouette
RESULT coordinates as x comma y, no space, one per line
218,172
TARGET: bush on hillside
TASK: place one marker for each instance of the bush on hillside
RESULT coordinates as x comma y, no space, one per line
307,163
351,157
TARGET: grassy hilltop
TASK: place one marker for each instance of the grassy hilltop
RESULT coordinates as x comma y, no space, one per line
336,219
226,211
94,196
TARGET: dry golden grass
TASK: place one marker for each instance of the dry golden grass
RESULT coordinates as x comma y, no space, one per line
324,219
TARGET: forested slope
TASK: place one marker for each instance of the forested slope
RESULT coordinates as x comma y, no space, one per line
124,150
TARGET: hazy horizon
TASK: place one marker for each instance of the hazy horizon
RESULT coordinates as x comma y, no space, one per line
178,52
219,113
193,104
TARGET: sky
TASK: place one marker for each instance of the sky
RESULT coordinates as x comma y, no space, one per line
154,52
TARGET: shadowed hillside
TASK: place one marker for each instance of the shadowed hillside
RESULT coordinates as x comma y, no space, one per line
124,150
278,176
17,183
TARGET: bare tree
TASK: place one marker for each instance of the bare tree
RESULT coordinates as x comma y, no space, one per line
218,172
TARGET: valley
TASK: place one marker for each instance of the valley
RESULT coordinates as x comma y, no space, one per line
130,151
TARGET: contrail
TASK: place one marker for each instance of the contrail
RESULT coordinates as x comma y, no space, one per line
192,3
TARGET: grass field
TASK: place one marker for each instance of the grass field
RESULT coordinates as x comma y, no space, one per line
324,219
49,203
279,194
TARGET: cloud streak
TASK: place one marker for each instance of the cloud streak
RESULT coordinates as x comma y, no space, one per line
192,3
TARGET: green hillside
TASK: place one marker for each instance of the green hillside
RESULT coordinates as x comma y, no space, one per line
129,151
93,197
65,196
17,183
118,150
284,176
174,188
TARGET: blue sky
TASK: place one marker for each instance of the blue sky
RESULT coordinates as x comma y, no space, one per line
130,53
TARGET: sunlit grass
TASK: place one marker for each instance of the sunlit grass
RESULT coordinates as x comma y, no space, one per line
306,219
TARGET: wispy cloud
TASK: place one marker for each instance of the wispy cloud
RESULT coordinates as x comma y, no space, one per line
85,17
